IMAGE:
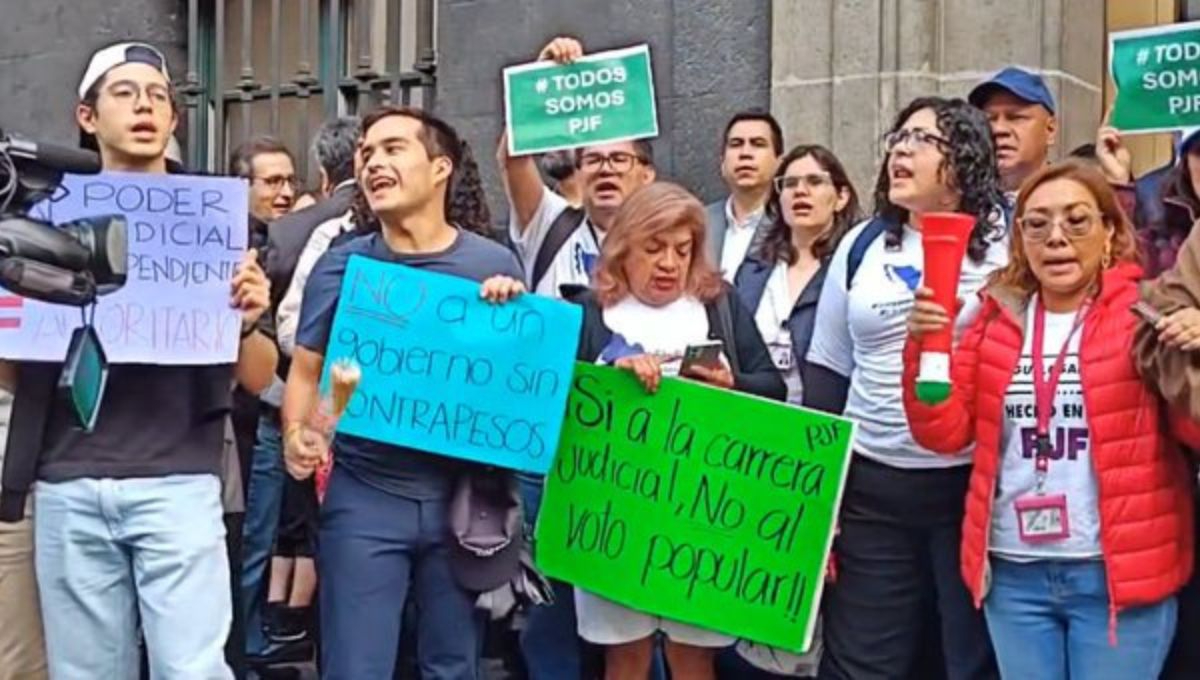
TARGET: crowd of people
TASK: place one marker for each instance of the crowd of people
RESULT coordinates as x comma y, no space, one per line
1037,523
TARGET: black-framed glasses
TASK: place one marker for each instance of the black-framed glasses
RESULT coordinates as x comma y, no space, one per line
620,161
277,182
915,137
811,181
1075,225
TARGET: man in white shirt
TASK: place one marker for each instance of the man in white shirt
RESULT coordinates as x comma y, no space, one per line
750,149
609,173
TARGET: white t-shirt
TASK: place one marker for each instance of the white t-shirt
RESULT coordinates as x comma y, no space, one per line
860,333
738,238
664,332
1070,473
576,259
771,317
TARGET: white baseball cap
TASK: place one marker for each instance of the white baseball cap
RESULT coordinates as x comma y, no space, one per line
116,55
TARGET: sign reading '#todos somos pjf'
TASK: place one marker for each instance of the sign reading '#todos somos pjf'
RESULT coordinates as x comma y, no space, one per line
602,97
1157,74
187,236
697,504
446,372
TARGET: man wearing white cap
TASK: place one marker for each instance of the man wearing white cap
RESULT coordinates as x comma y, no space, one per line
129,521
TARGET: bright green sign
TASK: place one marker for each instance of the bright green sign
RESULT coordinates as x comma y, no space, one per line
1157,74
696,504
602,97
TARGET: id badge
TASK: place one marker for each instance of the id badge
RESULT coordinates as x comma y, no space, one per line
781,355
1041,519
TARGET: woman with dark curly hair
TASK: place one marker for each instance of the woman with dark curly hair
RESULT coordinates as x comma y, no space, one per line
902,507
811,205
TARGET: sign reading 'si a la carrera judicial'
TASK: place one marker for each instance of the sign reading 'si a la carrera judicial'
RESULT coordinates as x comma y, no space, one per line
599,98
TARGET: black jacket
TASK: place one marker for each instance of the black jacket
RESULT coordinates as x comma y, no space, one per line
287,236
753,372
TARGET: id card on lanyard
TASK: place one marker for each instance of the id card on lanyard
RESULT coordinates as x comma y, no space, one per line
1042,517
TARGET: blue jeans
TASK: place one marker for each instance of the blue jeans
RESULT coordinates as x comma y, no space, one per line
549,642
375,548
1049,619
264,497
111,552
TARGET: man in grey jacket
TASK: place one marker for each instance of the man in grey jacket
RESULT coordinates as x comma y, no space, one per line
750,149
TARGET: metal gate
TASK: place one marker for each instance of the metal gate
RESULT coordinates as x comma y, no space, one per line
281,67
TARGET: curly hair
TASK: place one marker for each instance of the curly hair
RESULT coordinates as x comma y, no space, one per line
1017,274
466,202
777,243
969,165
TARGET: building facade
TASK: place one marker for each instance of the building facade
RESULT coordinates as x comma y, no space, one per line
834,72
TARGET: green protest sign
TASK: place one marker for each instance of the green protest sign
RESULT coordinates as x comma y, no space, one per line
696,504
1157,74
602,97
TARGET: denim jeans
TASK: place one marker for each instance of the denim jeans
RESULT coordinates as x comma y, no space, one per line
111,552
264,497
377,549
1049,619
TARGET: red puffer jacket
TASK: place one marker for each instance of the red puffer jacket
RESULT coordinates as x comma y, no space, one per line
1145,502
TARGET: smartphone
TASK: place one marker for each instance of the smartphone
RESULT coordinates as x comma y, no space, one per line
84,377
706,354
1147,312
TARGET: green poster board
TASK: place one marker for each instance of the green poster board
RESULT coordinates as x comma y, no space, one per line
600,98
1157,74
696,504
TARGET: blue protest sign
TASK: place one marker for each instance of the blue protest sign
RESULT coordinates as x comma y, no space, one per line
447,372
187,235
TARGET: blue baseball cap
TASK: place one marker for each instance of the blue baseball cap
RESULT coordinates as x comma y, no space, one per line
1018,82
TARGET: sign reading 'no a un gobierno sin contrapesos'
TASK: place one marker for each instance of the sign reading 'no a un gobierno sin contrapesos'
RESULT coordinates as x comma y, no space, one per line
599,98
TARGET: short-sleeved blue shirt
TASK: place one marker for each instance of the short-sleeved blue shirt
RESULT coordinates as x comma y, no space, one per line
405,472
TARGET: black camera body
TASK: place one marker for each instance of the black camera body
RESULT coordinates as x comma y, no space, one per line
68,264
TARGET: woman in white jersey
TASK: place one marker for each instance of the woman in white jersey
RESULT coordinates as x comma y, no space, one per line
655,293
902,507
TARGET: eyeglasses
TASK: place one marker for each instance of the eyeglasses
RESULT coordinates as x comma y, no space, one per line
277,182
916,138
812,181
1036,228
620,161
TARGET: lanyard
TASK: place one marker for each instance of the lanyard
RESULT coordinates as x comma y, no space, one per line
1044,387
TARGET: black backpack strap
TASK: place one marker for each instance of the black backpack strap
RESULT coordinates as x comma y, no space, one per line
858,249
560,230
720,321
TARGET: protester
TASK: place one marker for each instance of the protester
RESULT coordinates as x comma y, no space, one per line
656,292
1021,112
468,208
812,204
563,176
559,246
281,512
131,513
750,149
268,165
902,506
384,516
1172,253
1078,530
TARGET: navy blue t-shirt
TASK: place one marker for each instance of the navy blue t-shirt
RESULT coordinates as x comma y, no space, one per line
398,470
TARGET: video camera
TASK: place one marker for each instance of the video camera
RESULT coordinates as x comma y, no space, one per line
68,264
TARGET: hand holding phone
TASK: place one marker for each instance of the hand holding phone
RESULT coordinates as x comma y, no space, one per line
706,354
